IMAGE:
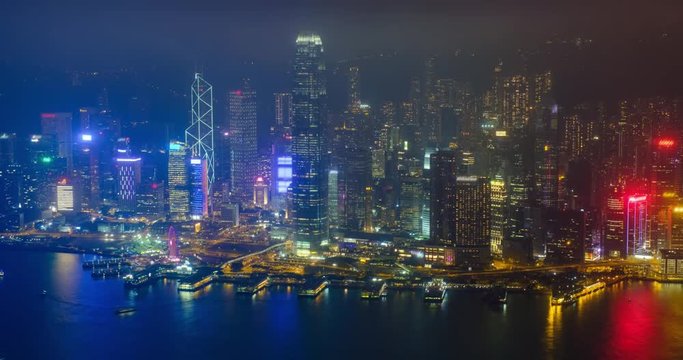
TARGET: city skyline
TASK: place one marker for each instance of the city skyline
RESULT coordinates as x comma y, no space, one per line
395,179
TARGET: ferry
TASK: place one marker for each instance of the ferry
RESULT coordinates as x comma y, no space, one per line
374,290
572,297
252,286
435,291
122,311
313,287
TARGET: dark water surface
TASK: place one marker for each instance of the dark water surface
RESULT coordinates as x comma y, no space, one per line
76,320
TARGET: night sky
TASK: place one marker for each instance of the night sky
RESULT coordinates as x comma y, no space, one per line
164,42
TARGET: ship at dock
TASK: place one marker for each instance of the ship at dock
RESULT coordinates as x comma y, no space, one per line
435,291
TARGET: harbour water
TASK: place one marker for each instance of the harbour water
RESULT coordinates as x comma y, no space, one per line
76,319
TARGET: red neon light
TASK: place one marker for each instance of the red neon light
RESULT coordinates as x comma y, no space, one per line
48,115
665,143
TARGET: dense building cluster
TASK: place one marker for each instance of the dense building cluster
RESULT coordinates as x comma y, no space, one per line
506,173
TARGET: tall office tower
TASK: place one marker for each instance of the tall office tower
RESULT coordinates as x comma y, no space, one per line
309,176
615,224
498,216
199,188
665,183
261,196
354,90
283,109
199,135
128,170
578,131
86,171
11,216
59,126
281,183
443,165
515,110
637,225
243,141
547,154
67,196
388,113
42,171
8,142
542,87
430,118
150,199
564,235
410,205
354,161
473,221
178,180
333,198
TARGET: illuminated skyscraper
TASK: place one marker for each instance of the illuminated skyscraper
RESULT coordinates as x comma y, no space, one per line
178,190
199,189
261,193
614,246
199,135
410,205
58,125
128,179
498,216
243,141
86,171
283,110
443,165
637,229
473,221
309,177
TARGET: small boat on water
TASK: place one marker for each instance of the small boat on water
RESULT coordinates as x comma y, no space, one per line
2,273
43,293
435,291
122,311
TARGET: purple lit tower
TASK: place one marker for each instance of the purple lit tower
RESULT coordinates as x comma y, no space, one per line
172,244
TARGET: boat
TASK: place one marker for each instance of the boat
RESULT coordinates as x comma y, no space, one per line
44,292
374,290
2,273
122,311
435,291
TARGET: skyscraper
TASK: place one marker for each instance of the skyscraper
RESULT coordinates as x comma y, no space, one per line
59,126
309,177
199,188
283,109
243,141
128,175
178,191
199,135
473,221
443,165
